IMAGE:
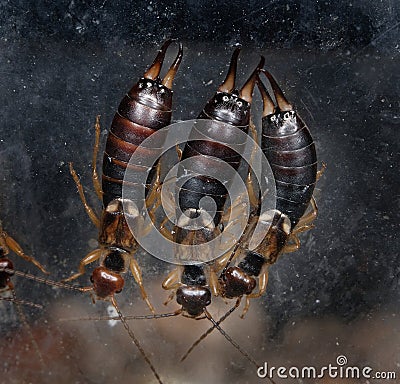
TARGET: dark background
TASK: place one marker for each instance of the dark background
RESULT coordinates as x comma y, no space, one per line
63,63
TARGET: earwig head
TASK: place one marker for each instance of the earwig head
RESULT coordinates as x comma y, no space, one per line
151,90
5,275
235,283
193,299
106,282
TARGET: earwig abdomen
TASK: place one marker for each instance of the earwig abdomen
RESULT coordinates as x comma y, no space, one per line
144,110
289,147
229,106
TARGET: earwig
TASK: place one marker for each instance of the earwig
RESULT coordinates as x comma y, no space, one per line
289,147
7,244
231,106
145,109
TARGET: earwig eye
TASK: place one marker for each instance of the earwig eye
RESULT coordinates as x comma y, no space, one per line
225,98
119,291
91,279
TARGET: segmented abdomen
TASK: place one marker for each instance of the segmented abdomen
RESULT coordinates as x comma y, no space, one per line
293,160
133,123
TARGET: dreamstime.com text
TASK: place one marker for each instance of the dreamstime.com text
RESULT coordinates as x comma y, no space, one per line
338,371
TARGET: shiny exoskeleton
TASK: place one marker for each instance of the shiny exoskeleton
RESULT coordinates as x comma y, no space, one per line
288,145
145,109
232,107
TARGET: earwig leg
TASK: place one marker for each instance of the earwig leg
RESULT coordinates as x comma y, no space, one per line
307,219
172,281
213,282
292,247
254,200
137,275
321,171
88,259
246,307
170,297
262,287
154,195
16,248
178,152
95,175
89,210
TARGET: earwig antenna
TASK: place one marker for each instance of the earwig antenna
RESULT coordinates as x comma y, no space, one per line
22,302
227,337
206,333
134,339
24,321
233,342
47,281
132,317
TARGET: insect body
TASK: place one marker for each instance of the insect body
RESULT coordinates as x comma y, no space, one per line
289,147
146,108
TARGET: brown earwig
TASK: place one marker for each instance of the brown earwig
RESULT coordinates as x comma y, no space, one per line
232,107
144,110
289,148
148,102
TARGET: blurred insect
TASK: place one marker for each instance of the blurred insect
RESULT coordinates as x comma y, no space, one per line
145,109
288,145
7,244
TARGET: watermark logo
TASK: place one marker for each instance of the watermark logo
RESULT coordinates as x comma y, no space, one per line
178,188
338,370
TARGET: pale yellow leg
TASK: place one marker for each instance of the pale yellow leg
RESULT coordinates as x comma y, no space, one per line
137,274
95,175
321,171
15,247
262,287
89,210
309,217
213,282
172,281
88,259
292,247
